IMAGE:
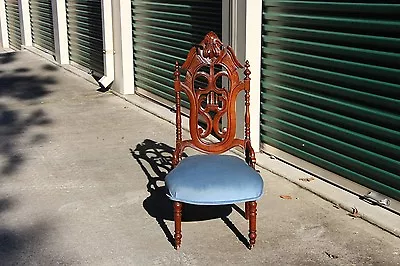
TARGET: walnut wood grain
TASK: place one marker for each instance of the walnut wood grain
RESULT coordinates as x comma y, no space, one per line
178,222
220,101
246,210
208,62
252,223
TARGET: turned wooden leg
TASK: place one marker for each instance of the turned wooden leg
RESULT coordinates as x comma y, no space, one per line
246,210
178,219
252,223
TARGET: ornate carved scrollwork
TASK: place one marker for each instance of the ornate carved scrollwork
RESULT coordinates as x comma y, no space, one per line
211,46
211,100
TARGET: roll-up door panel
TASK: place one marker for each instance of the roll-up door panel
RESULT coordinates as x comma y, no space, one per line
331,87
13,24
42,24
85,34
163,33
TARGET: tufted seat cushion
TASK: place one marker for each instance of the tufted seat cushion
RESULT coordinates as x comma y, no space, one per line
213,180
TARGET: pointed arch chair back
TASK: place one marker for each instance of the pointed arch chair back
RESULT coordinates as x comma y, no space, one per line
211,100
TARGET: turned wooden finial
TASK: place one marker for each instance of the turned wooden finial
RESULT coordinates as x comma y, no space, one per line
247,71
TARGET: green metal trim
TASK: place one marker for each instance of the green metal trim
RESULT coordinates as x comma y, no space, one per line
13,24
163,33
85,34
41,15
331,87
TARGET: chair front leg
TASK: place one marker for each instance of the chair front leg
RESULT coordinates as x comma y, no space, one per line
252,222
178,226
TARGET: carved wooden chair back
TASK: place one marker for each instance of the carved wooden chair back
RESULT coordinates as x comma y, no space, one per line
210,100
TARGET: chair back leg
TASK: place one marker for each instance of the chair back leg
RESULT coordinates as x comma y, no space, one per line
252,207
178,221
246,210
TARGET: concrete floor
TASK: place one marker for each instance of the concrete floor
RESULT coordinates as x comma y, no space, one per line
79,184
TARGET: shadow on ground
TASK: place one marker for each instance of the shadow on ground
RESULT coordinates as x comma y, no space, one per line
27,246
23,118
155,159
20,87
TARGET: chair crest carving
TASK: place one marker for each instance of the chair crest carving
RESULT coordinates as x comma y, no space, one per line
211,46
206,65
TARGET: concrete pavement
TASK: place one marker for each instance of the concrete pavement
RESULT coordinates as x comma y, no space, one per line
81,184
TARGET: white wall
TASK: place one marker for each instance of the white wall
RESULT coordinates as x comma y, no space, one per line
60,31
123,47
24,16
3,26
253,54
242,30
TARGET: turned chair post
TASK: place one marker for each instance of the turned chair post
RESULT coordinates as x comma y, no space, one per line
246,210
178,140
178,223
252,223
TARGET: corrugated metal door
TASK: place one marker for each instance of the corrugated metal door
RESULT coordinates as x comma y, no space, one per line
42,24
331,87
13,24
85,34
163,32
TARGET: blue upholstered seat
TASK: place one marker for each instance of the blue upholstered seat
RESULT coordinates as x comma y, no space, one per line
213,180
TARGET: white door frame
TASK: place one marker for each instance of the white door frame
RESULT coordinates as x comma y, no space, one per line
25,20
3,26
241,29
123,47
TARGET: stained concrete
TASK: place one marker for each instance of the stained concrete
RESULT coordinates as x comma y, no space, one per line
81,183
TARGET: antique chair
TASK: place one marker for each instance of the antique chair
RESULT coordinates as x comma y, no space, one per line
213,178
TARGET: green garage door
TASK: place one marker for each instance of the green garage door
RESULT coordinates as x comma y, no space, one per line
42,25
13,24
163,32
331,87
85,34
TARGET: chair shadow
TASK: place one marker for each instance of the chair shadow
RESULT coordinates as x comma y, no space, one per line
155,159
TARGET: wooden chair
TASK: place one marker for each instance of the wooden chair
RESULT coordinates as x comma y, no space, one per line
213,178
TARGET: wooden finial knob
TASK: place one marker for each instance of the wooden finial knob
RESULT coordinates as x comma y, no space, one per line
247,71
